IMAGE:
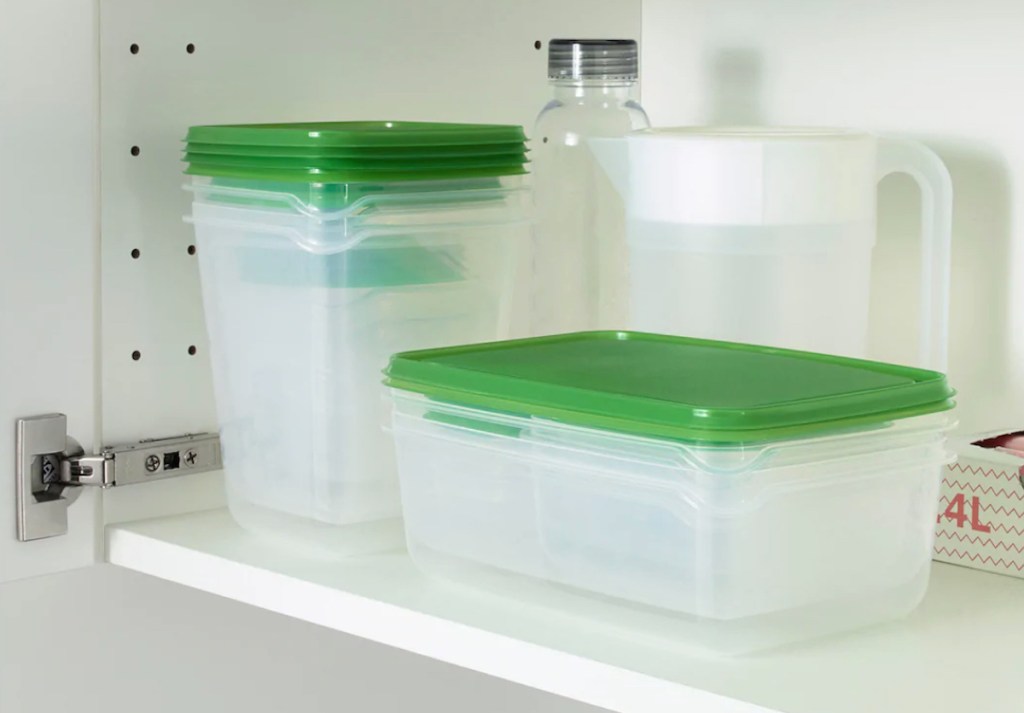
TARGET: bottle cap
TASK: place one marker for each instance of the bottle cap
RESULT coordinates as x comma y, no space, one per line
592,59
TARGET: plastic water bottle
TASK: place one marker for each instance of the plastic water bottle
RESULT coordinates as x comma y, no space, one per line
580,266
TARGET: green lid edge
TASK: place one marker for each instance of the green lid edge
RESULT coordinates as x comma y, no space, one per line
410,371
356,133
352,176
343,164
356,152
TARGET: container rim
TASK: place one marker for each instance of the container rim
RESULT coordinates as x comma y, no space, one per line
692,390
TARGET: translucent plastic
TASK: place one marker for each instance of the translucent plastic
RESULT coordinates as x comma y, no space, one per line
729,549
579,255
765,235
303,308
801,287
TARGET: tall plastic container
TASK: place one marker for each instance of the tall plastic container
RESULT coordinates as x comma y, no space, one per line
312,275
765,235
718,496
579,254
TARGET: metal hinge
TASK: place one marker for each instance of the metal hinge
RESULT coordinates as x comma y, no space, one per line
52,468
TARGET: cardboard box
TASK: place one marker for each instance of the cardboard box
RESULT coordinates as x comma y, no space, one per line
981,513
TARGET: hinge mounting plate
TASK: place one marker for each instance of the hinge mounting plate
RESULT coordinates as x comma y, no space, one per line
52,468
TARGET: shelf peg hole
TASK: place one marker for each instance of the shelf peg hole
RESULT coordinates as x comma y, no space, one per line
136,253
136,355
192,350
135,150
537,44
190,48
191,249
134,48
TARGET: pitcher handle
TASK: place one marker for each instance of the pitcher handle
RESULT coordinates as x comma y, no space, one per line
926,168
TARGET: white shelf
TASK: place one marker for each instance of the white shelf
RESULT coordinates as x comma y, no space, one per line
959,651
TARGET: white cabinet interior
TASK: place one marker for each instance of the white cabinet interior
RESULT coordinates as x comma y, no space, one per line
89,145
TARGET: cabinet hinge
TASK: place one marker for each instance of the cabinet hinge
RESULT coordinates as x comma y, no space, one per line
52,468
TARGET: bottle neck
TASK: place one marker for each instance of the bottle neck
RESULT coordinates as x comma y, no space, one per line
599,90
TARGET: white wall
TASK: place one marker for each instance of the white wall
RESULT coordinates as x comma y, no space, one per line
140,644
946,71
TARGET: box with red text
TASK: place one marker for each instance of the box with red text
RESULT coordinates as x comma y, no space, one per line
981,513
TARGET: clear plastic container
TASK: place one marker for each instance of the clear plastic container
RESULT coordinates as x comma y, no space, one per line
308,288
724,496
747,548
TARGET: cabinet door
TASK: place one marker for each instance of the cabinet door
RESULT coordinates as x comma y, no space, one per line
49,248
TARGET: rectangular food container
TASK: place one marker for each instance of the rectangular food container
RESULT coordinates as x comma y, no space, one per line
313,274
742,497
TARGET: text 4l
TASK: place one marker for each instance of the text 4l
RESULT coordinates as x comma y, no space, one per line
956,510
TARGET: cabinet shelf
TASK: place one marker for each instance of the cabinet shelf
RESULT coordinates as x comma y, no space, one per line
958,651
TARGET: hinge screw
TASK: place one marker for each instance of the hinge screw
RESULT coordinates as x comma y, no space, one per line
51,469
190,457
152,463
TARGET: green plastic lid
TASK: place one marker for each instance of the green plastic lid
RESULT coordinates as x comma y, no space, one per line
322,176
300,162
672,387
361,152
357,134
265,163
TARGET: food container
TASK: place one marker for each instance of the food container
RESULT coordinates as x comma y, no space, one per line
314,272
740,496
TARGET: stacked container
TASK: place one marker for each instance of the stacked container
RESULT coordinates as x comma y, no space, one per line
734,497
323,249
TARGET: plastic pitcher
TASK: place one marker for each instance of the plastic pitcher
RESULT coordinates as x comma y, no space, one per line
764,235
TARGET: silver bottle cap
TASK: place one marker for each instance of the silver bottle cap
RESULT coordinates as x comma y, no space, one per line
592,59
